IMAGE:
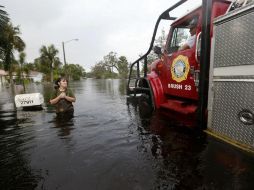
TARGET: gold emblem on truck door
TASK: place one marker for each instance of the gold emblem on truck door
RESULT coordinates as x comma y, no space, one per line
180,68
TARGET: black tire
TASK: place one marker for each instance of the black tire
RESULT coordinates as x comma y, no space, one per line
145,106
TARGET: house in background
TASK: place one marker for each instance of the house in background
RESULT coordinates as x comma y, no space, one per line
35,76
3,73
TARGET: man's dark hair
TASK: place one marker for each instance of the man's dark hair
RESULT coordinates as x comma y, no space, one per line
58,80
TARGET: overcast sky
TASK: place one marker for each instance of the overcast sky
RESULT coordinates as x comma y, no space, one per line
122,26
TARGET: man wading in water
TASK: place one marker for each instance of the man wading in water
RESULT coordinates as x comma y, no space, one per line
63,98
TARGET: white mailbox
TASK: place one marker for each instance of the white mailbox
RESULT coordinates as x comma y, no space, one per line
29,100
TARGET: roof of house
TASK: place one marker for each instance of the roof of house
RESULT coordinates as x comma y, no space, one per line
34,73
3,72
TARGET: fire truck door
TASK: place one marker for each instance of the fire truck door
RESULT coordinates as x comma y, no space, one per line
181,66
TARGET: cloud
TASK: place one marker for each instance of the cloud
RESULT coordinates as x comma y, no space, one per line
123,26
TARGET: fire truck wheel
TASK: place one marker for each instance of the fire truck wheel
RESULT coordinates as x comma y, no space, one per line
145,105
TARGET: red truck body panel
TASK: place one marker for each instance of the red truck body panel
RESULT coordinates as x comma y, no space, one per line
172,77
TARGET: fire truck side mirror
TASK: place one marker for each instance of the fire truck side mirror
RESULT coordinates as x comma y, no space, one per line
157,50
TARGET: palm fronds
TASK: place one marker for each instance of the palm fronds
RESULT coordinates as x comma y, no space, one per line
3,17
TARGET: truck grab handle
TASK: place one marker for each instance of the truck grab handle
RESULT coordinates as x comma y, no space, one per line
198,47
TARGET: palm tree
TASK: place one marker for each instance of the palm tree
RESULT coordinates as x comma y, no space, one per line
3,16
22,57
3,21
10,41
48,56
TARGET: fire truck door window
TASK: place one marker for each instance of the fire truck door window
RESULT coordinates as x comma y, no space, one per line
179,37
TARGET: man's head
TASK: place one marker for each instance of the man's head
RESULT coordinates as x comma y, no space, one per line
61,82
193,26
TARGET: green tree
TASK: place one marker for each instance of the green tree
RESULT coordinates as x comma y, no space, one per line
48,58
110,61
10,41
3,21
99,70
76,71
14,69
40,67
122,65
160,42
27,67
105,68
22,57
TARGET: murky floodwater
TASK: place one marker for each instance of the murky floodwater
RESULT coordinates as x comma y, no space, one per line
109,145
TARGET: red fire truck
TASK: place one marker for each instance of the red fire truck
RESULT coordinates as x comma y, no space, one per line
178,82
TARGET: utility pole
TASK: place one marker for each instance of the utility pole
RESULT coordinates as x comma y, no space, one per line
64,57
65,63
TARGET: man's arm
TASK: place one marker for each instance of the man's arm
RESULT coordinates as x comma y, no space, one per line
55,100
184,47
70,96
70,99
189,43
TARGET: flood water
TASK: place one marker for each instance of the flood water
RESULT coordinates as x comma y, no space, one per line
110,145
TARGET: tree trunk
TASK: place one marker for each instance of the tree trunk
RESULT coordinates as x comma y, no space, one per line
7,65
22,78
11,78
51,73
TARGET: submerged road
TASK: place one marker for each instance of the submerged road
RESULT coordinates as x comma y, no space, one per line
111,145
